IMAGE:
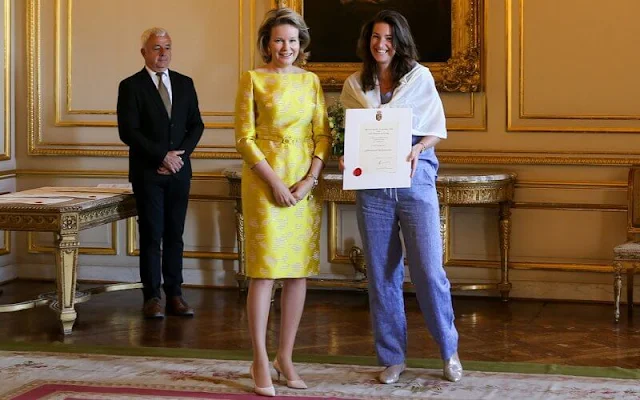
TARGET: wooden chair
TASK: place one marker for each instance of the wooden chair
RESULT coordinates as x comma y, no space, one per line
626,257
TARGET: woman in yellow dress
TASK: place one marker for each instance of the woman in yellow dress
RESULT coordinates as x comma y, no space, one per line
282,134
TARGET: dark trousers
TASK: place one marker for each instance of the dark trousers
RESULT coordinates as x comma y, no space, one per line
162,208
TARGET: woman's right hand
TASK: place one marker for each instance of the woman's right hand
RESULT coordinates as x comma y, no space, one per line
282,195
341,163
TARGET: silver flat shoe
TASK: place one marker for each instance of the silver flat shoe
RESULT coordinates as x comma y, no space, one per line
391,374
453,368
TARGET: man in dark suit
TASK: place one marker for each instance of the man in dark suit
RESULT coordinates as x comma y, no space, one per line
159,119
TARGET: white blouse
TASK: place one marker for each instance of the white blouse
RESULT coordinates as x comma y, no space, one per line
416,90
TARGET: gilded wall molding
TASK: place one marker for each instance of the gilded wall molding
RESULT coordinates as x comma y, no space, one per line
6,247
35,248
37,145
340,256
208,176
522,114
454,126
335,254
526,265
525,115
7,174
8,72
555,206
34,102
69,82
220,176
133,250
494,158
573,185
463,156
472,108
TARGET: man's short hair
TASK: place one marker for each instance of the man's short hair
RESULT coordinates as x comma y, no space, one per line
155,31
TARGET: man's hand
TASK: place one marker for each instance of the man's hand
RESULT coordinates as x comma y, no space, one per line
163,171
172,161
341,163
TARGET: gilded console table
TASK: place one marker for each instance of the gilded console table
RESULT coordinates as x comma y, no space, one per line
64,212
456,188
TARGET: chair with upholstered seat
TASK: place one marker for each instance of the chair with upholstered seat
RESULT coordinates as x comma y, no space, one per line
626,257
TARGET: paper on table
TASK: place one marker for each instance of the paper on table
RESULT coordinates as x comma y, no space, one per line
377,143
80,192
32,200
116,187
48,193
91,189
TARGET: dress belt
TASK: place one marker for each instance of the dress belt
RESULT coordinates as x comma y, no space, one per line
283,139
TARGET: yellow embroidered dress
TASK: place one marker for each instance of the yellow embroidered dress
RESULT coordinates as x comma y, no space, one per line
281,118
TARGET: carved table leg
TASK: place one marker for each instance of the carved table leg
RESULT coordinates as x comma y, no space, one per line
241,276
444,231
505,235
66,252
617,288
630,273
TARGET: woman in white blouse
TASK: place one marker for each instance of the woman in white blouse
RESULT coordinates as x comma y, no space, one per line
392,77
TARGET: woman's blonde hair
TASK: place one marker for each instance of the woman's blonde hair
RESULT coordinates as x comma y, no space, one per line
283,16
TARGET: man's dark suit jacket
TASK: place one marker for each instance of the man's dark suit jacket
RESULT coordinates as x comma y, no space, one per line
146,128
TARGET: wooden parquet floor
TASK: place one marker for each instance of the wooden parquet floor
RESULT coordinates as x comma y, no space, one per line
337,323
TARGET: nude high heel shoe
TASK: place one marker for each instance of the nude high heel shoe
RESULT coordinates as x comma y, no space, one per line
297,384
268,391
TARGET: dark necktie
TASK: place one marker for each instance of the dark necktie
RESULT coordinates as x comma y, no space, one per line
164,93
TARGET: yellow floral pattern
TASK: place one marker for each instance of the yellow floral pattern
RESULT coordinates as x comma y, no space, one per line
280,118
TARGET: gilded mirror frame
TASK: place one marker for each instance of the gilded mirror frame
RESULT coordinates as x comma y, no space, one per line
460,73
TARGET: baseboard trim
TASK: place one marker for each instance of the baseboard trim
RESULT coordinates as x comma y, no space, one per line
526,284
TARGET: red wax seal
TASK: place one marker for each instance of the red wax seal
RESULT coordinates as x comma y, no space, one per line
357,172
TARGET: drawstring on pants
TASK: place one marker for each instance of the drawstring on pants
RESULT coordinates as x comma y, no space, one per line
392,192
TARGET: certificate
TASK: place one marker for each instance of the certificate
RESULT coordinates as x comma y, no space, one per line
376,145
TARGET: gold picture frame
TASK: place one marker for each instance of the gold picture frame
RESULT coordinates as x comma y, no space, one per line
462,72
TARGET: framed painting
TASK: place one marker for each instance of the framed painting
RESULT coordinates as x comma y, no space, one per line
447,33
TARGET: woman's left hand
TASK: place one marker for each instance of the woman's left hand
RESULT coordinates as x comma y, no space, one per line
301,188
413,157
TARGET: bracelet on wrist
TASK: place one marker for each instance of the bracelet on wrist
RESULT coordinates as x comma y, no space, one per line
314,178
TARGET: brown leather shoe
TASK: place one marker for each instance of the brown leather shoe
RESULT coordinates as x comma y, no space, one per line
152,309
177,306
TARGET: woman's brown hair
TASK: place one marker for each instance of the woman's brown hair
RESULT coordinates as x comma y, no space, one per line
406,53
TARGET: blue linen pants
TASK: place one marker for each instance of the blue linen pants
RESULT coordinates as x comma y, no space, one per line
381,214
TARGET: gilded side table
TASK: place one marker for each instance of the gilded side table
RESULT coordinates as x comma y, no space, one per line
456,188
65,220
478,188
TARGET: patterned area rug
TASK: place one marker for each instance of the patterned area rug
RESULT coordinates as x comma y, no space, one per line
81,376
